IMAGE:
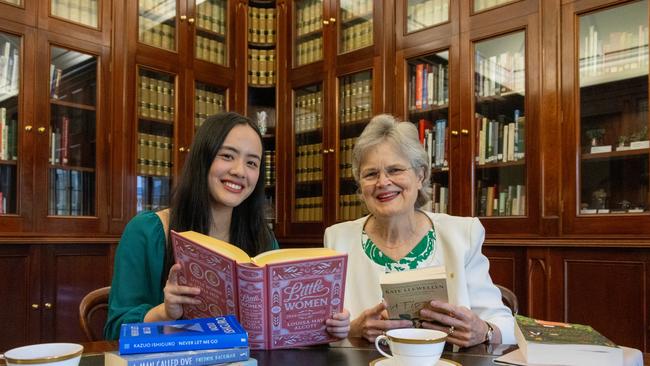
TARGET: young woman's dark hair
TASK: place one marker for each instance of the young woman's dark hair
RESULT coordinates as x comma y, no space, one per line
190,203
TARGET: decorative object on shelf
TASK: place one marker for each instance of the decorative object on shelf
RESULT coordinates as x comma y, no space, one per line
599,199
262,118
595,136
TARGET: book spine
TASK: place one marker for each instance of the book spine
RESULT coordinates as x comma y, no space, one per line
183,358
168,343
253,304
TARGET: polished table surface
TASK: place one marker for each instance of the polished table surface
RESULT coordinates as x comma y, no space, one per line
347,352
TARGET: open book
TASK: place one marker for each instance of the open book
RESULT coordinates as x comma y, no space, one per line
407,292
551,343
281,297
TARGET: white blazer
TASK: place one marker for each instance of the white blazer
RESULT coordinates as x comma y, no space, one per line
457,247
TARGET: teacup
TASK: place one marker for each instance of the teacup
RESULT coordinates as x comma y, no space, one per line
45,354
413,346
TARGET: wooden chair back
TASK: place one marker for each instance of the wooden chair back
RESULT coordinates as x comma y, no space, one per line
93,311
509,299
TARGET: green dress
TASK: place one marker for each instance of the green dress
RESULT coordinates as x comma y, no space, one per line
421,256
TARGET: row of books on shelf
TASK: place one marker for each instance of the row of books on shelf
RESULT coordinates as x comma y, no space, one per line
621,51
261,70
309,16
152,193
439,202
9,69
262,27
345,157
309,209
357,36
425,13
500,74
71,192
63,145
80,11
352,9
269,167
8,136
500,140
433,135
156,34
356,100
429,86
211,50
156,99
351,207
308,112
309,162
154,154
212,16
207,103
510,201
308,51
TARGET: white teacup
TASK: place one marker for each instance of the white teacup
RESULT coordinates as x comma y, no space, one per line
45,354
413,346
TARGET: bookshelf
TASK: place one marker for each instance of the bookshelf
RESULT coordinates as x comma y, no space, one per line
421,14
9,90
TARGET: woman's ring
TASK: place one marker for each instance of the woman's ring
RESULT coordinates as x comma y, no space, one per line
450,332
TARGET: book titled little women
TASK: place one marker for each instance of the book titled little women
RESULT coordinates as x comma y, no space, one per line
281,297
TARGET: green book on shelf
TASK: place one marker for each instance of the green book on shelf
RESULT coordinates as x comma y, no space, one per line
552,343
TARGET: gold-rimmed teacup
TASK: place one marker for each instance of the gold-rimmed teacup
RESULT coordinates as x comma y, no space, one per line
413,346
45,354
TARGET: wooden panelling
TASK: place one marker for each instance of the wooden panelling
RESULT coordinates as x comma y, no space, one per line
538,284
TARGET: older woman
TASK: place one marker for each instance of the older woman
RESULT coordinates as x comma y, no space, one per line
391,168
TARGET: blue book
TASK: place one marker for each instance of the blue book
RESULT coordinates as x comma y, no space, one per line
182,335
183,358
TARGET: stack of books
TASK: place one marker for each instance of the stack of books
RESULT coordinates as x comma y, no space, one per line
195,342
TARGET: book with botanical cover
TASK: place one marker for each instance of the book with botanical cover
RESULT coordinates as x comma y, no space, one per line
183,358
407,292
182,335
553,343
282,297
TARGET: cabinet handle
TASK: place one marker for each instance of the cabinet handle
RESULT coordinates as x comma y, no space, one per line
454,132
324,151
331,150
464,131
188,149
191,20
48,305
28,128
41,130
333,20
326,22
181,149
34,306
183,17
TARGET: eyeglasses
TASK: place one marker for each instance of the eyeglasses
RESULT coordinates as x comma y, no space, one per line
371,176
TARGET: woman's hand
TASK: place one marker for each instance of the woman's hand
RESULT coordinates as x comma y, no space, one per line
464,328
175,296
373,322
339,324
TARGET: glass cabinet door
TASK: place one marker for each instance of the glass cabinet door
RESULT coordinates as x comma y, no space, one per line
355,101
155,134
428,109
421,14
211,31
480,5
356,25
157,23
10,54
499,126
308,31
208,100
12,2
308,150
85,12
73,120
613,124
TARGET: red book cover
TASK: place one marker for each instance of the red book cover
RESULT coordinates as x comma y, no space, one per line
281,297
419,68
65,143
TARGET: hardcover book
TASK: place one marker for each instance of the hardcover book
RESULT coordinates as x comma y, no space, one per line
183,358
552,343
407,292
282,297
182,335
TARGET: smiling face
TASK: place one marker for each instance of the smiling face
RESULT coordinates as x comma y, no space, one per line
389,184
236,168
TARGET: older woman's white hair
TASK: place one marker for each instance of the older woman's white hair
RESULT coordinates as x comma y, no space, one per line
403,135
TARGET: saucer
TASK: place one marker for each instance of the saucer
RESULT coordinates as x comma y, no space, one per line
387,362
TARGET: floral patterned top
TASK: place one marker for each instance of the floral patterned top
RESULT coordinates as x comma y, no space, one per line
421,256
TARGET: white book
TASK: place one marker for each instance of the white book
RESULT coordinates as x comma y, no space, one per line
15,74
511,141
505,144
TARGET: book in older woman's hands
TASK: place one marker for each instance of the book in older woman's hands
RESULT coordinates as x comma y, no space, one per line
553,343
408,292
281,297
